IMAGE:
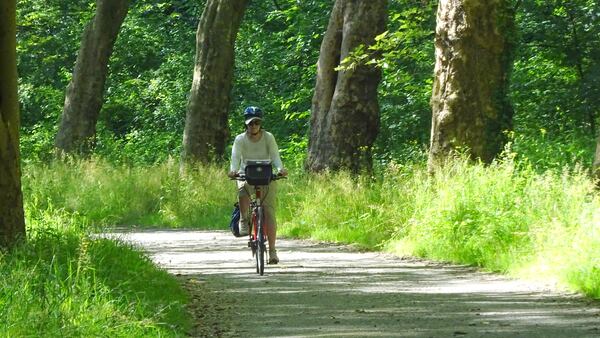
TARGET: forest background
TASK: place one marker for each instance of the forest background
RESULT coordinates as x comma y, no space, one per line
554,87
533,212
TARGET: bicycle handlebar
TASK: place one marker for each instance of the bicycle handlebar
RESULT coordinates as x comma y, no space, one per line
242,177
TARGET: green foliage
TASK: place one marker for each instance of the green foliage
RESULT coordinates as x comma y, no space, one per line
556,81
554,84
405,55
276,57
63,282
48,34
542,151
150,74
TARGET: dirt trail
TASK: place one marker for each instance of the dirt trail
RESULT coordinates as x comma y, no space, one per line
321,290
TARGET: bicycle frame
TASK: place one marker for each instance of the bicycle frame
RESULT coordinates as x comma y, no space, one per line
258,238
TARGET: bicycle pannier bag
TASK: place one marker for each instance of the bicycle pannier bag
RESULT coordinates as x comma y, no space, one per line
258,172
234,224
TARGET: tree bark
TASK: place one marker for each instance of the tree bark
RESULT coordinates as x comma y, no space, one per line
469,102
206,129
345,111
84,97
12,220
596,165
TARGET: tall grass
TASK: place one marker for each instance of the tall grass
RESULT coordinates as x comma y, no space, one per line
497,217
333,208
63,282
105,194
501,217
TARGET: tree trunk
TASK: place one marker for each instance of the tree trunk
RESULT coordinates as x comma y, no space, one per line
345,112
12,220
84,97
470,106
206,129
596,165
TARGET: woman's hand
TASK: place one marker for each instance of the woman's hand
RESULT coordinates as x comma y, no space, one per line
232,174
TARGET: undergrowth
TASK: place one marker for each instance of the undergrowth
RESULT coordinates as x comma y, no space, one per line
501,217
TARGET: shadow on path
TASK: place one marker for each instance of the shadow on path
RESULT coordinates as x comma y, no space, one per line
331,291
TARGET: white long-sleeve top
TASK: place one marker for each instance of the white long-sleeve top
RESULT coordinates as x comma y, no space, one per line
245,149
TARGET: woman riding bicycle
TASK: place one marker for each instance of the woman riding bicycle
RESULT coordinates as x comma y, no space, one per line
256,144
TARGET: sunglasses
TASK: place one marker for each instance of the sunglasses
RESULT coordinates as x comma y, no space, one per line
254,123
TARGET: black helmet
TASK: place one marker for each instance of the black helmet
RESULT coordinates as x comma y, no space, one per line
252,113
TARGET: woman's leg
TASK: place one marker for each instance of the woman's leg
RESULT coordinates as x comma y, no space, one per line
271,224
244,211
271,220
244,202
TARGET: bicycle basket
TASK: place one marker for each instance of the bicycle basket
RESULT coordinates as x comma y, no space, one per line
258,172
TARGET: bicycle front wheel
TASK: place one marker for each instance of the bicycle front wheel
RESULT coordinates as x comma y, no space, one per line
261,243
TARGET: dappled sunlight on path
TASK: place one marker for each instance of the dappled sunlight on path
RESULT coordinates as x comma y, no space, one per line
320,290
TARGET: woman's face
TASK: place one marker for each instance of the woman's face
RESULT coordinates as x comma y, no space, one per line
254,127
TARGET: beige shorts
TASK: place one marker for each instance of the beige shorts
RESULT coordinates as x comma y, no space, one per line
269,194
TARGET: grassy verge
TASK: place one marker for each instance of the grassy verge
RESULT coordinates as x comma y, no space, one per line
64,283
509,220
499,217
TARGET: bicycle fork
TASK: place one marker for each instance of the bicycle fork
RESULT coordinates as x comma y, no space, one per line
253,240
257,236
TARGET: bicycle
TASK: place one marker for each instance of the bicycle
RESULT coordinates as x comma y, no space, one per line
258,174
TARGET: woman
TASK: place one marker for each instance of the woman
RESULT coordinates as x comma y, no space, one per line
256,144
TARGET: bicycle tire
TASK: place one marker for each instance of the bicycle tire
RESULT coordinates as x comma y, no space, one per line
254,234
261,239
255,252
257,260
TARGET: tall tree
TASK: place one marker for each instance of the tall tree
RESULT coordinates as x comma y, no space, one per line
12,221
345,111
206,129
470,107
85,92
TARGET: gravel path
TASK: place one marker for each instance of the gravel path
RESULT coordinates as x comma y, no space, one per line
321,290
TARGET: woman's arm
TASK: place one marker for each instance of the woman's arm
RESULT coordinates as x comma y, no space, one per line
236,156
274,153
